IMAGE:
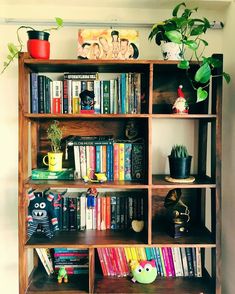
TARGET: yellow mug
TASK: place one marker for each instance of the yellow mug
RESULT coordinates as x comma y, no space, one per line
54,161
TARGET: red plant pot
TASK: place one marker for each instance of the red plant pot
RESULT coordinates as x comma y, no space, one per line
39,49
38,44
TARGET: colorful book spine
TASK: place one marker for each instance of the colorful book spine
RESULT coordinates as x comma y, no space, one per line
65,97
56,96
127,161
76,90
121,161
106,96
98,159
33,92
97,105
113,212
83,212
41,94
123,93
116,161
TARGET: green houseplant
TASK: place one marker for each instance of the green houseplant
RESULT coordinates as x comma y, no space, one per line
54,134
187,32
179,162
38,45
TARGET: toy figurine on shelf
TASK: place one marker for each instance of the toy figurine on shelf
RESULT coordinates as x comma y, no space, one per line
180,106
177,212
62,275
144,271
131,131
91,194
41,212
87,101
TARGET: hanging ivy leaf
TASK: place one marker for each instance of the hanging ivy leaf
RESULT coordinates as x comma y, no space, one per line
201,94
203,74
183,64
226,77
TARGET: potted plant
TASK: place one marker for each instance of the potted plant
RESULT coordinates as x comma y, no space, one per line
187,33
54,134
38,45
179,162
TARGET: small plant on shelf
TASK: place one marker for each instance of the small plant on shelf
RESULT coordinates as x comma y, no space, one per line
187,34
180,162
38,44
54,134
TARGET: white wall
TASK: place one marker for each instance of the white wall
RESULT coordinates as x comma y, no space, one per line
228,168
63,45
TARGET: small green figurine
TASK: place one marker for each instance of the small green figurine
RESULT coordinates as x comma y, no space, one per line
62,274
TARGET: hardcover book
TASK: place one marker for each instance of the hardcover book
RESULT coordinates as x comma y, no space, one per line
45,174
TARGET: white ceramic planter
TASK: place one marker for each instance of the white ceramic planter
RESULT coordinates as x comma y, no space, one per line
171,51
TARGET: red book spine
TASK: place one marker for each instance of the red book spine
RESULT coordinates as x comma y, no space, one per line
92,161
113,261
103,213
171,261
98,212
108,212
122,261
106,255
102,262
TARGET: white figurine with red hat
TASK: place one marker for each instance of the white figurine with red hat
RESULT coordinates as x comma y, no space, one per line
180,106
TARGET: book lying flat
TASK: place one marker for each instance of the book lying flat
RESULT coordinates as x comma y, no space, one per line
45,174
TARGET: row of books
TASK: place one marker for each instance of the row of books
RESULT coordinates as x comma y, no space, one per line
75,261
170,262
121,161
112,210
119,95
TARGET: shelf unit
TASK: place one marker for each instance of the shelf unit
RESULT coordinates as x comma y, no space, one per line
161,79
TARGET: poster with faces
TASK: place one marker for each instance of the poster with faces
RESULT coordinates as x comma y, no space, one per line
108,44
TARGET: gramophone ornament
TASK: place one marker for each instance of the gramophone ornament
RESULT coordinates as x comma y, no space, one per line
178,214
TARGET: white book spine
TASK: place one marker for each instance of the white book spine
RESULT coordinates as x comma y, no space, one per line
77,162
97,96
83,212
43,261
199,262
175,261
184,261
179,261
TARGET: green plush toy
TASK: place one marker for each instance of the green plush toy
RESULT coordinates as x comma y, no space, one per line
144,272
62,274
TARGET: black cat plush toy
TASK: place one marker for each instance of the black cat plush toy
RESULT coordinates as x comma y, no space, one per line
41,211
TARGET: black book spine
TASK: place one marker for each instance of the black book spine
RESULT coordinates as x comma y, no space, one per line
72,214
65,222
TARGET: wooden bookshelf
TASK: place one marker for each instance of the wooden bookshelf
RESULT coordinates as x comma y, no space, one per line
161,79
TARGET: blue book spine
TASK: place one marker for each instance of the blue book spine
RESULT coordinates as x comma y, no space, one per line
98,159
148,253
156,261
159,261
109,162
127,161
123,93
34,92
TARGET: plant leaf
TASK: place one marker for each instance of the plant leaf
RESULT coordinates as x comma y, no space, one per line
183,64
204,42
226,77
203,74
198,30
201,94
177,7
59,21
174,36
191,44
12,48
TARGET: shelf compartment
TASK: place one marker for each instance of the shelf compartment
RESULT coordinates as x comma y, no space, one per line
41,283
29,183
158,181
89,238
161,285
196,237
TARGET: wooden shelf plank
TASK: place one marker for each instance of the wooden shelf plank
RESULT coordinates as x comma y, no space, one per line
188,116
80,184
158,181
42,283
88,238
160,286
93,116
197,237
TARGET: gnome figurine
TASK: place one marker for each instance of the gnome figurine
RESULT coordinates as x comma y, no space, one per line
180,106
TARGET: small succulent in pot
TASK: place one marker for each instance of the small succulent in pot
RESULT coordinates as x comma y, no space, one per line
180,162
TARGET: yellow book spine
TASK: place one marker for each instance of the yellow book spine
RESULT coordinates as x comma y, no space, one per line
121,162
133,254
142,254
128,254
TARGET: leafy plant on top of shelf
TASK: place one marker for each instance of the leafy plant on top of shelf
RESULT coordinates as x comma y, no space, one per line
179,151
15,49
187,32
54,134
